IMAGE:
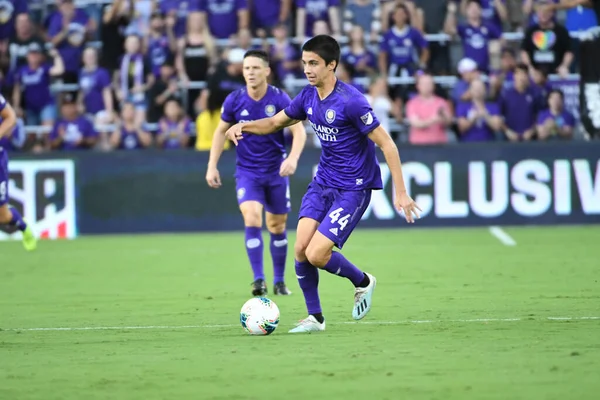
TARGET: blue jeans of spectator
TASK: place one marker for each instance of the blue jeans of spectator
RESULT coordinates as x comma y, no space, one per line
45,115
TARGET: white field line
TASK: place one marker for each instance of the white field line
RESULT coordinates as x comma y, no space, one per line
177,327
502,236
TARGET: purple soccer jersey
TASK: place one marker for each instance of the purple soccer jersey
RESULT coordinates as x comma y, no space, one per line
475,42
75,131
129,140
3,165
265,13
316,10
9,9
158,53
173,132
490,15
92,83
561,120
368,58
520,109
348,169
401,47
35,84
480,131
70,49
259,157
223,16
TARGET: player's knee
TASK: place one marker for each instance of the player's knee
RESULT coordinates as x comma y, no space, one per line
300,250
317,257
5,215
252,218
276,226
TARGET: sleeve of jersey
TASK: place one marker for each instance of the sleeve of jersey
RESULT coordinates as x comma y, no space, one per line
284,101
361,115
227,111
296,108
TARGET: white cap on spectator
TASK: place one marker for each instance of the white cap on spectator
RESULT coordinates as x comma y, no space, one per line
467,65
236,56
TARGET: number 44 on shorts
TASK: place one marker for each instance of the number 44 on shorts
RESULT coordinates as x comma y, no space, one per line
335,217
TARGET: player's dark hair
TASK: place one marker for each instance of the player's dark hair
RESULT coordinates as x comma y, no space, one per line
325,47
258,54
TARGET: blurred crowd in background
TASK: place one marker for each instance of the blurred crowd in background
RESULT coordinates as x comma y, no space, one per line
132,74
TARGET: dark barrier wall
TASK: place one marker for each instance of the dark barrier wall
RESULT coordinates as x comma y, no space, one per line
462,185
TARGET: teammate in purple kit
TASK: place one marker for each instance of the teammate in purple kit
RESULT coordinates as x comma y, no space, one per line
262,168
10,216
347,173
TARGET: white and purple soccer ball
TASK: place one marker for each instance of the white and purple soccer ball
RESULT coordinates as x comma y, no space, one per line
259,316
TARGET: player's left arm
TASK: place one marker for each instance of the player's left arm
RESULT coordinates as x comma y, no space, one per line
262,126
9,118
392,157
289,165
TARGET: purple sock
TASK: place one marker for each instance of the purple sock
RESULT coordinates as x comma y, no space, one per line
17,220
279,254
308,278
339,265
254,248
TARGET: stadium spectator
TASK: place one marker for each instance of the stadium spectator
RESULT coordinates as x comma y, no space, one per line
530,14
468,72
164,89
398,47
539,81
141,17
19,43
129,134
227,17
547,44
9,11
310,11
380,101
434,19
174,129
135,76
493,12
476,34
177,12
32,87
197,53
265,15
95,97
428,115
578,20
112,33
67,30
72,131
159,43
357,56
503,79
284,55
343,74
363,13
415,14
520,106
555,122
478,120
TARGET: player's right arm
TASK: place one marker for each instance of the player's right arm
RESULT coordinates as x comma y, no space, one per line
262,126
218,144
9,118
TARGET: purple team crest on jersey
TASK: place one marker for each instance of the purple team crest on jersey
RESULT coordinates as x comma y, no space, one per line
330,116
270,110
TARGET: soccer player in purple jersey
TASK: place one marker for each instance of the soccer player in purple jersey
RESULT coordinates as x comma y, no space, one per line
262,168
10,216
347,173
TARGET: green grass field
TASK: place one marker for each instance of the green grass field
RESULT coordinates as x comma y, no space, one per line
157,317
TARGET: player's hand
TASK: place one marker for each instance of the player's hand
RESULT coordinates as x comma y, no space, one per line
213,178
405,203
234,133
288,166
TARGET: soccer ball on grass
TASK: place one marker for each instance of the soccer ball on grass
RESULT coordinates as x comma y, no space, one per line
259,316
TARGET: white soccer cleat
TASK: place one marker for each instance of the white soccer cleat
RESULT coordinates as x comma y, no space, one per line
363,298
308,325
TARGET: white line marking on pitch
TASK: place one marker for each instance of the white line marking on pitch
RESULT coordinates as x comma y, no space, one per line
502,236
407,322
